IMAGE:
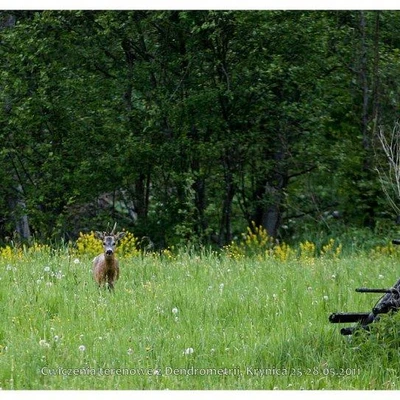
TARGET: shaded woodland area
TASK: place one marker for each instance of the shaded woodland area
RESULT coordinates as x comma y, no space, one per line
186,126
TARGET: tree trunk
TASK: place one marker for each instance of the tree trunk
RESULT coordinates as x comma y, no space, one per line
225,231
18,209
16,200
368,75
269,196
364,87
199,187
142,187
271,217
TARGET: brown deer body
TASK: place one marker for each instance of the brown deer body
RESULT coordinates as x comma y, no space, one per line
105,265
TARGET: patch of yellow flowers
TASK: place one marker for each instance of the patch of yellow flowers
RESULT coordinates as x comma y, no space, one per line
15,253
388,250
257,242
88,244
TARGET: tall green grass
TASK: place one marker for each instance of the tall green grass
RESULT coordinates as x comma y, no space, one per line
200,321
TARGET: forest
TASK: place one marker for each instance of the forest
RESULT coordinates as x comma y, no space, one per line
190,126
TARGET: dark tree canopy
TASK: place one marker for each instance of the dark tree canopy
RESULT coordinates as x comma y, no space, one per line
190,125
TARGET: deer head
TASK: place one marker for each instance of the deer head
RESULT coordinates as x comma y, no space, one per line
110,241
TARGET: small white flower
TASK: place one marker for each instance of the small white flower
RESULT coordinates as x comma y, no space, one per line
46,269
9,267
76,261
175,310
157,372
380,276
189,350
49,283
82,348
130,351
43,343
56,338
326,298
333,276
39,281
159,310
59,275
176,319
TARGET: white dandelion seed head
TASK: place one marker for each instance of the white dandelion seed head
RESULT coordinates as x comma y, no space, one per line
326,298
59,275
188,351
175,310
82,348
46,268
76,261
43,343
130,351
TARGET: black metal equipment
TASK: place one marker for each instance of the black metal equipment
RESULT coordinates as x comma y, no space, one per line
389,302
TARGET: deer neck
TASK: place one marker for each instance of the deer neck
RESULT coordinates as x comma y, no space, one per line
109,260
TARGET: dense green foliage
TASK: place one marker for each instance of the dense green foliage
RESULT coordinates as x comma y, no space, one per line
202,321
186,126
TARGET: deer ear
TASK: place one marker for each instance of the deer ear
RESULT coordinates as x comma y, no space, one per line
120,235
99,235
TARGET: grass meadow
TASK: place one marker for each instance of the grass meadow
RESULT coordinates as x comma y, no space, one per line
192,321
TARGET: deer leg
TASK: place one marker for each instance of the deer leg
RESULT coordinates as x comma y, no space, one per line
110,281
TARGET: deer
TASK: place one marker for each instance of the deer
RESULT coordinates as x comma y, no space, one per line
105,265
